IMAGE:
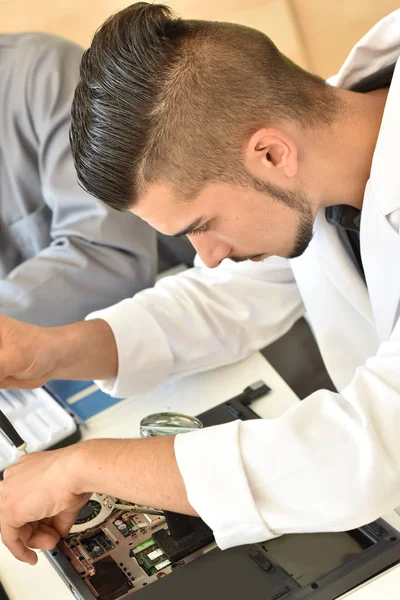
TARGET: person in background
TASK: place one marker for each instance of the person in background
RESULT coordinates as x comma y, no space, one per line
62,251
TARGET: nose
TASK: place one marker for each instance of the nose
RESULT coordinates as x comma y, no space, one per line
211,252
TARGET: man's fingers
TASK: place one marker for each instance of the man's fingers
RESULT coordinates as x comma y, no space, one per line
64,521
11,537
20,540
42,537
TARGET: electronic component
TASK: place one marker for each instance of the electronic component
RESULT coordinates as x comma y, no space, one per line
101,506
185,536
88,512
109,581
95,512
97,545
155,554
162,565
126,527
152,519
150,557
147,544
94,549
144,520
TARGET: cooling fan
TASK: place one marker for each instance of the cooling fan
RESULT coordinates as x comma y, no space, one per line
100,507
95,511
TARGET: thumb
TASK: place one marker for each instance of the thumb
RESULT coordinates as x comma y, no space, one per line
65,519
41,537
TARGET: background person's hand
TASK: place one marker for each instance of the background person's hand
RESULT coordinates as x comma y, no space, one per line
28,354
31,355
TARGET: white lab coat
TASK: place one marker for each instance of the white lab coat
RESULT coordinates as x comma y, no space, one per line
332,462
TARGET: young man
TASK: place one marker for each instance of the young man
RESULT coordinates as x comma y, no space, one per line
205,129
62,251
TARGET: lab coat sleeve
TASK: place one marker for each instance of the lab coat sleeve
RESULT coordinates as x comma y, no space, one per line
95,255
330,463
200,319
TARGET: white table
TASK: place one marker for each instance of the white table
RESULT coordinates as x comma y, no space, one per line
191,395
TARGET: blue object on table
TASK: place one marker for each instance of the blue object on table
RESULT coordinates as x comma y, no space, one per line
84,397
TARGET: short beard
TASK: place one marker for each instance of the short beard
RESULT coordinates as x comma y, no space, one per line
305,233
297,201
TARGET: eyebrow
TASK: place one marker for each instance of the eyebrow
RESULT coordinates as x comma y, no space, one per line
189,228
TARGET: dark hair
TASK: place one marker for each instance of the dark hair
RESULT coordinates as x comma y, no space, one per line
166,99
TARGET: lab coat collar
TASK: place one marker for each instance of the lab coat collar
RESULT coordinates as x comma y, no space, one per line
380,249
328,250
379,48
385,169
380,243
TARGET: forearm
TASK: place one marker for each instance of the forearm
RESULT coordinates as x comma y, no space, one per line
87,350
143,471
198,320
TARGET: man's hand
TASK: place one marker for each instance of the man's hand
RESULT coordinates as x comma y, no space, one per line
42,494
31,355
38,504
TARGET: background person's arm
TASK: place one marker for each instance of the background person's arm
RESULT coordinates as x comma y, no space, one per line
84,256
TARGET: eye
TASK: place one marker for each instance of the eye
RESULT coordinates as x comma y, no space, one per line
201,229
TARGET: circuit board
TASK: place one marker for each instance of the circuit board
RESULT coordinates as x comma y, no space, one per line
118,556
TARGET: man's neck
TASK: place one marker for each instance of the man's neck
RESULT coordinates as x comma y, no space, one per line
349,148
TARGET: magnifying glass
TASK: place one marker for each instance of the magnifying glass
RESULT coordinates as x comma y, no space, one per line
168,423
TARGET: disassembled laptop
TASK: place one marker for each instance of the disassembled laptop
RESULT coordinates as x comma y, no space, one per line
113,541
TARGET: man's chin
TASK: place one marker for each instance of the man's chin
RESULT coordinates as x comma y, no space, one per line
258,257
253,257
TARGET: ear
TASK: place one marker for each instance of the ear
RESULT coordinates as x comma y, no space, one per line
271,151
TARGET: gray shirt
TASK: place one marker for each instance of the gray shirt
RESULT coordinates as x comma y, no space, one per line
62,252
